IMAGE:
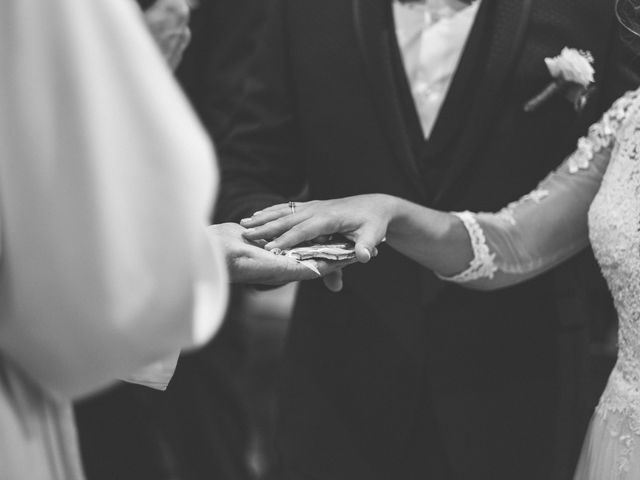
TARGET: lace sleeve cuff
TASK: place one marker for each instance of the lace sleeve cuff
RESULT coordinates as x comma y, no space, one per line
482,265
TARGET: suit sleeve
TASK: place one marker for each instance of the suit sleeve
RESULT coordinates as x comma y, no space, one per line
260,158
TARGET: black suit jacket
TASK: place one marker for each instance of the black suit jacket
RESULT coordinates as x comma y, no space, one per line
213,71
401,371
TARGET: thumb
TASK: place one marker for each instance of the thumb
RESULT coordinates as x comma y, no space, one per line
366,241
333,281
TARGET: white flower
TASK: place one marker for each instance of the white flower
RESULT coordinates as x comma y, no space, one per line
572,66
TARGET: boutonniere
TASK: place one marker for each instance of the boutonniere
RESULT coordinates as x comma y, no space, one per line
572,73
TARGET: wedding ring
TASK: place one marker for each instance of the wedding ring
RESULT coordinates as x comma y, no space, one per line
292,207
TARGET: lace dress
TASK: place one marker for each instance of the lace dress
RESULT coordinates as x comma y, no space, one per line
594,196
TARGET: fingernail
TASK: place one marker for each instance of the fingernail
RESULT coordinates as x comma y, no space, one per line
375,252
257,213
249,231
245,220
269,246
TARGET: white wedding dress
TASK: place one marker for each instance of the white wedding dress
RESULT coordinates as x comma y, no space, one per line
594,196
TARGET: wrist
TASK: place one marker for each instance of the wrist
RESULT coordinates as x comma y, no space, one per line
410,223
394,210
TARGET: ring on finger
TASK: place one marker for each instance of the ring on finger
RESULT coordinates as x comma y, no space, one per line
292,207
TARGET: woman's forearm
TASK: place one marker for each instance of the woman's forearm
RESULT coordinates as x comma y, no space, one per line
436,240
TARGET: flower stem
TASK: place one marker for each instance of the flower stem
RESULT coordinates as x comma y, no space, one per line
549,91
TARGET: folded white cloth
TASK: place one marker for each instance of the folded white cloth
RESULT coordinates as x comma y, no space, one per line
157,375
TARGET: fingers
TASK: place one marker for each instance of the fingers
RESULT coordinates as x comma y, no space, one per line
253,265
333,281
300,232
323,238
367,240
264,217
272,213
276,207
286,206
274,228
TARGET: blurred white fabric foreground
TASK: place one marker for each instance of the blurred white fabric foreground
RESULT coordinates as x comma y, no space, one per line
106,182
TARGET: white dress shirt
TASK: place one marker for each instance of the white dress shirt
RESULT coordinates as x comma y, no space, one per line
432,36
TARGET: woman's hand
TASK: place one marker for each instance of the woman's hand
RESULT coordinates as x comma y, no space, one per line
363,219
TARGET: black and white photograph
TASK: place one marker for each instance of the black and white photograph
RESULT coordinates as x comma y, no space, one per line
320,240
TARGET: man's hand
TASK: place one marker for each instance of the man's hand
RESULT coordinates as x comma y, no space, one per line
251,264
168,22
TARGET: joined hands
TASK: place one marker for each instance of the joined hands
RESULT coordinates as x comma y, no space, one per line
249,263
363,219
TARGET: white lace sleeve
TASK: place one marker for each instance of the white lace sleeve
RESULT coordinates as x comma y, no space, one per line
548,225
482,265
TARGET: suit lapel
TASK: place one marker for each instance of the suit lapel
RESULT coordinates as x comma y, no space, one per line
376,33
499,30
508,24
